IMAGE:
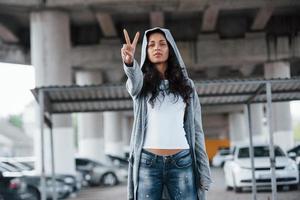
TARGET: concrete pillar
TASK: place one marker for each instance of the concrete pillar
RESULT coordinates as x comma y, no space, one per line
90,125
282,120
237,128
127,122
257,123
126,130
50,56
113,133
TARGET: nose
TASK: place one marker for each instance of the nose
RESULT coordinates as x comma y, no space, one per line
157,47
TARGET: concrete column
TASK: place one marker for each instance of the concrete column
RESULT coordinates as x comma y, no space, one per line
237,128
126,130
90,125
50,56
127,122
113,133
282,120
257,123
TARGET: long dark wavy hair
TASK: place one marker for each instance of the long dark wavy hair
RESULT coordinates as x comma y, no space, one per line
178,84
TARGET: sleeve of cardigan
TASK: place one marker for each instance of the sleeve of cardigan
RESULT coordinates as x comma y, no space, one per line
130,188
134,82
200,149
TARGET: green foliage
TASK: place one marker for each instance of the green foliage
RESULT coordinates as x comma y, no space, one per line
297,132
16,120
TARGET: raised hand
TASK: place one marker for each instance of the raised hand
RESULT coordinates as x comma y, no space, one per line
128,49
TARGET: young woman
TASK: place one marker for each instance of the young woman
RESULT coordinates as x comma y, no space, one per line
167,141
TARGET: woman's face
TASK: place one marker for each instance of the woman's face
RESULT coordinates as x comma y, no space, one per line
157,49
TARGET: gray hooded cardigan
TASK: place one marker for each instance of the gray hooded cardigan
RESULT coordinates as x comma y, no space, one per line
192,124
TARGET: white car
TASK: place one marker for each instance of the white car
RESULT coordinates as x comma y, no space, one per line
238,170
295,151
98,173
220,157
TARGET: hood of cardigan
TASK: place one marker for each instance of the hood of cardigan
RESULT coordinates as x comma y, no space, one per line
171,40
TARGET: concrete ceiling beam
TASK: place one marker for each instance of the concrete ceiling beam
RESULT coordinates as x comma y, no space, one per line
26,3
13,54
106,24
247,70
157,19
262,18
144,5
252,49
210,52
212,72
7,35
210,18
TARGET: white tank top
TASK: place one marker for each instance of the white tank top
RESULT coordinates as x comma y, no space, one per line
164,129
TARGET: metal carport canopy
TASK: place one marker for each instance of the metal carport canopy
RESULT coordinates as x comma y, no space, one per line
114,97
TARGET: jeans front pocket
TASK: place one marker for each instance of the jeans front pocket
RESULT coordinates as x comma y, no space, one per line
183,161
146,161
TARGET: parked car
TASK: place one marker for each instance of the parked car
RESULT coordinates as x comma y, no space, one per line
238,170
296,151
220,157
118,161
75,181
32,180
18,165
97,173
63,190
27,161
12,188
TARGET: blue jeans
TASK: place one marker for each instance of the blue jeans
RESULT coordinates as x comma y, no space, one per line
173,171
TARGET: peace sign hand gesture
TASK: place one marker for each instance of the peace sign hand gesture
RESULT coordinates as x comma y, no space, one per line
128,49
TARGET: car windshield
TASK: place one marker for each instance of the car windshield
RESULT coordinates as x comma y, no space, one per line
260,151
9,167
296,150
18,166
2,169
224,152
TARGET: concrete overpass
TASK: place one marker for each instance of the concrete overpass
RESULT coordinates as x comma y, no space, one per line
79,41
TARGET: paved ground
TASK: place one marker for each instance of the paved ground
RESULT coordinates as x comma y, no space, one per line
217,192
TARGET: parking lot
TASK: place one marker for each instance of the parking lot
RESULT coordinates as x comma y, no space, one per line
217,192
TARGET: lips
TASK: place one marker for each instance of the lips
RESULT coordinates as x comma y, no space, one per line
157,54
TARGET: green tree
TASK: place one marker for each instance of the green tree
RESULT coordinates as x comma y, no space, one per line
297,132
16,120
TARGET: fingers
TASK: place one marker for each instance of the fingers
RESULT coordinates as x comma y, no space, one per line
129,53
128,47
126,37
126,55
135,40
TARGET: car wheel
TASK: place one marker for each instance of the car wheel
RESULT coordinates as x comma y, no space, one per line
34,194
109,179
236,188
229,188
64,195
222,164
92,184
293,187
